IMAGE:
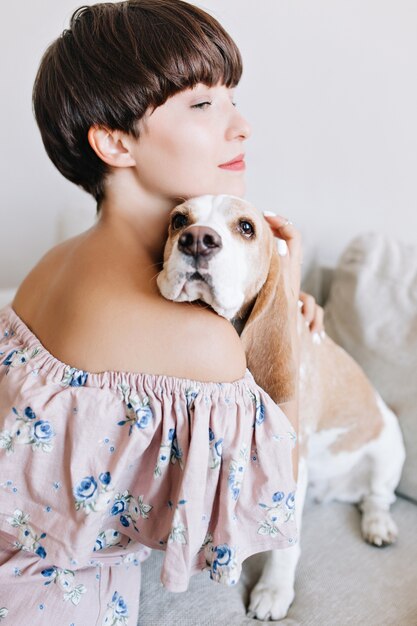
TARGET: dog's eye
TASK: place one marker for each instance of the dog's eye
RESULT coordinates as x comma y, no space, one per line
246,228
179,220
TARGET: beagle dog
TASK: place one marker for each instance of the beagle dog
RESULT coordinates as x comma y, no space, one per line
222,251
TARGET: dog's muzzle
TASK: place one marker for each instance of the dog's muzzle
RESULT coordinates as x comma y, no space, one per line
201,265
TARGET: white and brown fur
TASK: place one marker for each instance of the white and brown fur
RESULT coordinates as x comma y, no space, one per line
350,444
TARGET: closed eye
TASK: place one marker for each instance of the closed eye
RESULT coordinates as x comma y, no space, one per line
201,105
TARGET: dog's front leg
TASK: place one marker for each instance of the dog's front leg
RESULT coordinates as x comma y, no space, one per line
274,592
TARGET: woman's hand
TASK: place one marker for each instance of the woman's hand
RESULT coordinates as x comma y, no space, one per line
290,252
312,313
291,259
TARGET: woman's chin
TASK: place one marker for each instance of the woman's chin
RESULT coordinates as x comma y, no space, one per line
229,188
232,188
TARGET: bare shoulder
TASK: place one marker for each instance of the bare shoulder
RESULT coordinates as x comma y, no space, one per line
140,334
183,340
96,321
210,347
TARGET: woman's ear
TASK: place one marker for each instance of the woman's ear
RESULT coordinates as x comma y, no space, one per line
266,337
110,146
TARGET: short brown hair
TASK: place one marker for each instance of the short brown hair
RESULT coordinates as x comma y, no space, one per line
116,60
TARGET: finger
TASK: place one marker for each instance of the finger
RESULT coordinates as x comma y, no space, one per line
285,230
308,309
317,325
289,248
290,271
312,312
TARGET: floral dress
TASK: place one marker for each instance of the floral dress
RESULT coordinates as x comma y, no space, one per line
96,469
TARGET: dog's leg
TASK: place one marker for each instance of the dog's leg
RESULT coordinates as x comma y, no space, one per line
274,592
387,459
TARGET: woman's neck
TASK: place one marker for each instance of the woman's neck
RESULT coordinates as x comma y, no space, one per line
137,223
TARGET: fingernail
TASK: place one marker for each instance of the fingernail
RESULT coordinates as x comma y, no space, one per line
282,247
300,304
269,214
323,334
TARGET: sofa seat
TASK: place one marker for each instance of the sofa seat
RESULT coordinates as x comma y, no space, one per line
340,580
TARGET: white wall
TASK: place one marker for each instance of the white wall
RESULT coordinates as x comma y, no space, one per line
329,87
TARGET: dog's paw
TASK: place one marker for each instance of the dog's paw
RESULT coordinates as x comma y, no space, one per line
378,528
270,603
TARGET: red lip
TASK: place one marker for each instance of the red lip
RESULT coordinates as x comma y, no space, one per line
239,157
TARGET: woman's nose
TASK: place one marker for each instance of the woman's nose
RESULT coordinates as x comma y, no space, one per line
239,127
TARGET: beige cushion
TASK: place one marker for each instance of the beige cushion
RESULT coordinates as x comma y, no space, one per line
372,312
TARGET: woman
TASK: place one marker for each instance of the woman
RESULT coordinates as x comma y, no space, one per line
101,461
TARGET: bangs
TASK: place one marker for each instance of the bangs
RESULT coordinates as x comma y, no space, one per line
197,52
164,51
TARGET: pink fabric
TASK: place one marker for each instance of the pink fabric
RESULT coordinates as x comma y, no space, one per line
33,594
94,466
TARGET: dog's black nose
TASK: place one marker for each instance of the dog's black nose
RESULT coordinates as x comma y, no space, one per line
199,241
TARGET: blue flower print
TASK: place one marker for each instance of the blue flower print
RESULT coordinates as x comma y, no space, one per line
105,478
236,471
259,408
120,605
8,333
139,412
290,502
48,572
29,413
27,540
278,496
223,556
119,506
260,414
169,450
18,358
26,430
40,551
216,449
129,509
73,377
42,431
190,395
222,562
176,452
92,496
65,579
106,539
117,612
86,488
3,612
279,513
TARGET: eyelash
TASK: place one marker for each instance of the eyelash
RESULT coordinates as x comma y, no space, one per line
202,104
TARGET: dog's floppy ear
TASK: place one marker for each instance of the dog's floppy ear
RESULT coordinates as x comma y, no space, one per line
267,340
